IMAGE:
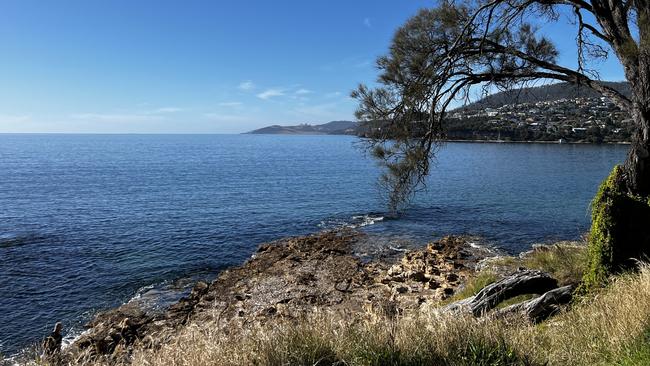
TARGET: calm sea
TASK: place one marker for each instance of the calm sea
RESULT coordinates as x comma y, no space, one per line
88,222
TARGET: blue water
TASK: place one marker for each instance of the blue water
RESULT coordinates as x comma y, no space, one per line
89,221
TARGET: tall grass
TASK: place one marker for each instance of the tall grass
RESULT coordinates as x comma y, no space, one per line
605,328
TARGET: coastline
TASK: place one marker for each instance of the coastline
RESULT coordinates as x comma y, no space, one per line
458,140
289,279
542,142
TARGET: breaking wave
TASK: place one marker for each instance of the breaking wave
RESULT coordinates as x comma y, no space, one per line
354,222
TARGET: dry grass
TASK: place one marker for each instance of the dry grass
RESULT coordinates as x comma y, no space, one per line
565,261
473,286
607,328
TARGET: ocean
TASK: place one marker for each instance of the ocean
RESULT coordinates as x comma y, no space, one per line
88,222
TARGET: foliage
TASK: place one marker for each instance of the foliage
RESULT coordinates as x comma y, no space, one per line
616,217
442,55
602,224
638,353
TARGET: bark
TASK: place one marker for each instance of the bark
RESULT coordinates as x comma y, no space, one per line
520,283
542,307
637,165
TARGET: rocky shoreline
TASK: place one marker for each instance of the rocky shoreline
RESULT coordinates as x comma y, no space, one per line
289,279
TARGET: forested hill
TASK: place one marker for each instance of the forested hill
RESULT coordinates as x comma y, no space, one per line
544,93
330,128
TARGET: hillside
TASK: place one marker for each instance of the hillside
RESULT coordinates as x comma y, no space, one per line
552,112
544,93
330,128
557,112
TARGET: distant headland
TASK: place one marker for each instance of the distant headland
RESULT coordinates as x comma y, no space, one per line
550,113
330,128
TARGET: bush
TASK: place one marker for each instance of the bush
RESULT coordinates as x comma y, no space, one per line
619,230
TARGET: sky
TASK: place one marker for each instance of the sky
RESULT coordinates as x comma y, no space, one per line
197,66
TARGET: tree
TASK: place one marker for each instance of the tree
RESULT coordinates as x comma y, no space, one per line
445,53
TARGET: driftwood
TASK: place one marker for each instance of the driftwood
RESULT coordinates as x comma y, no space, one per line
540,308
523,282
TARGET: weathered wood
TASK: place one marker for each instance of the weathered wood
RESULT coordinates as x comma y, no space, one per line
542,307
523,282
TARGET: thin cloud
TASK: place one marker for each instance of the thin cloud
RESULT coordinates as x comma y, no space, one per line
303,92
366,23
10,118
230,104
165,110
108,117
246,85
270,93
333,94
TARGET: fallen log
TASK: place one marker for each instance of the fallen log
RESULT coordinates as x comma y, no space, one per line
542,307
520,283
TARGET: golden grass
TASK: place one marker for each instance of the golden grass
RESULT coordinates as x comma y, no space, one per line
473,285
606,328
564,261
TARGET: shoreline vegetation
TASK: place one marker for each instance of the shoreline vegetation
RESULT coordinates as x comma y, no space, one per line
310,301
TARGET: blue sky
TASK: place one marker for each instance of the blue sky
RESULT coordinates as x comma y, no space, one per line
191,66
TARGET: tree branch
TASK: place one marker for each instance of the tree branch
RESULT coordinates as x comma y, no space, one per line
569,75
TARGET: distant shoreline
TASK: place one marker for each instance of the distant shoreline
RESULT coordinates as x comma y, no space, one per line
456,140
542,142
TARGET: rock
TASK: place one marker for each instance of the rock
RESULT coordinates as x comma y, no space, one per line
418,276
342,286
291,278
401,289
112,328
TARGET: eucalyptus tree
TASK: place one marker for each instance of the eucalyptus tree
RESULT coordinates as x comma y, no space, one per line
442,55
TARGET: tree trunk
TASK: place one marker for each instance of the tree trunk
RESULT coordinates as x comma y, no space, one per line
634,222
637,165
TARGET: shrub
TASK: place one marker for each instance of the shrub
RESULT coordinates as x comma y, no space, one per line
619,230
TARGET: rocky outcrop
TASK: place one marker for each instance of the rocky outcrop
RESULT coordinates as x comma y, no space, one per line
289,279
